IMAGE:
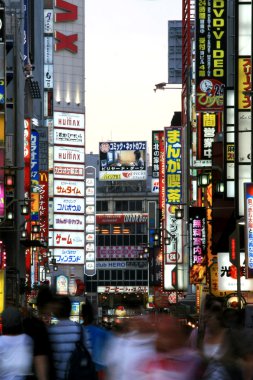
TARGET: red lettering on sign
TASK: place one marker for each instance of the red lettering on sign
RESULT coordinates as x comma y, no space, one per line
66,42
70,13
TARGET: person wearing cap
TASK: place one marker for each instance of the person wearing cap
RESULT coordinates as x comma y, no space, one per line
16,347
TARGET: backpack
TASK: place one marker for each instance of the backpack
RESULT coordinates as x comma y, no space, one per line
80,365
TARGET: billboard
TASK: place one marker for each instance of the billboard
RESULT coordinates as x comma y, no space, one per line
248,206
122,161
210,55
198,251
227,273
173,170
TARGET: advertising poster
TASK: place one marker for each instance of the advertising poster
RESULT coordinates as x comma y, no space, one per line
122,161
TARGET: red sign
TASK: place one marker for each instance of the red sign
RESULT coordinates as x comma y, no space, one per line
70,14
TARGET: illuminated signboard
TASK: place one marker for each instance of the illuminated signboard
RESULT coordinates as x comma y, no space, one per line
68,154
156,153
69,255
69,205
122,161
69,188
68,171
244,83
198,256
248,206
227,273
173,176
69,137
210,54
208,124
68,239
68,120
90,226
69,222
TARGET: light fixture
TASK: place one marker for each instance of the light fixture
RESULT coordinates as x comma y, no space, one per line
203,179
220,187
47,269
9,180
9,215
40,257
48,254
24,234
55,267
24,209
35,228
167,241
53,261
179,213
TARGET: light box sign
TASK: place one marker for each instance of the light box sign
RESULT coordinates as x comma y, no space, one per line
244,83
210,55
68,239
155,153
68,137
68,120
73,171
227,274
69,188
90,226
2,210
248,213
198,254
68,154
69,255
208,124
48,21
69,222
122,161
173,170
69,205
122,218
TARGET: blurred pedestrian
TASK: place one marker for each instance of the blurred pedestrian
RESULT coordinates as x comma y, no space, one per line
16,347
63,335
35,326
173,359
96,338
128,349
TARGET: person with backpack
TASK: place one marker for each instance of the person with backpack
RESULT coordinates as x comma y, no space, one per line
71,359
96,339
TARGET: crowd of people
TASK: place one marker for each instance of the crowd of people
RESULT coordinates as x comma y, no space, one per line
148,347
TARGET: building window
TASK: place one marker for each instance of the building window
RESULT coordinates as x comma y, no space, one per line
102,206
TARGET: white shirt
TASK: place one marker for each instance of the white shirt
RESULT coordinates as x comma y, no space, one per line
16,356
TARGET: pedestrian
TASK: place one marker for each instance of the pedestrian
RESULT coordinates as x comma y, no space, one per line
16,347
63,335
36,327
96,338
173,358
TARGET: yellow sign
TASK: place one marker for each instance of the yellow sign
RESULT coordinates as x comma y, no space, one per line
2,287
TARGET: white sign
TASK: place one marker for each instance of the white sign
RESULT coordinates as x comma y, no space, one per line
69,120
48,76
48,50
69,256
48,21
68,137
67,154
69,188
69,171
122,289
68,239
69,222
227,274
69,205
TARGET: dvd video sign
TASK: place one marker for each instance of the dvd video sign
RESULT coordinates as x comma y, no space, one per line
122,161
